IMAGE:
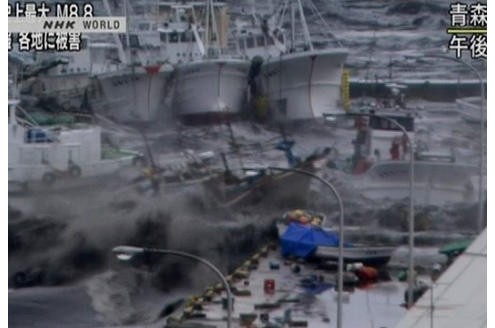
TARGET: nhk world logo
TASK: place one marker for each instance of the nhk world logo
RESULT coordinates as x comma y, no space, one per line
32,17
109,24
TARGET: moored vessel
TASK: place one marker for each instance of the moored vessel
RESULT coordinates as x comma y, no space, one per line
61,156
303,82
210,89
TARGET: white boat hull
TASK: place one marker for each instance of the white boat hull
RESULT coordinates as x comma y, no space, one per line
304,85
132,96
211,90
435,183
469,109
369,255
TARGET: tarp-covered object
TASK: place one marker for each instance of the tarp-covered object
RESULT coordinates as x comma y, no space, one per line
302,240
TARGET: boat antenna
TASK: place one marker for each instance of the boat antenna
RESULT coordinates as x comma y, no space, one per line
155,170
207,27
370,59
127,37
225,163
228,176
283,133
286,146
148,150
216,43
307,36
235,146
327,27
118,42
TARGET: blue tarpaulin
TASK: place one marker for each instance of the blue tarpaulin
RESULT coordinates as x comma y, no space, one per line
302,240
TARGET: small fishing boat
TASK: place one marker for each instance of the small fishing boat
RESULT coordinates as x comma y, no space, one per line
255,185
173,170
302,234
59,156
379,177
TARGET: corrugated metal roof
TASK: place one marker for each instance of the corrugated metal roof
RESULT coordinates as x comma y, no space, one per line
459,295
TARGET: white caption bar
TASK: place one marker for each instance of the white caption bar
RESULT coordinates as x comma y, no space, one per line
111,24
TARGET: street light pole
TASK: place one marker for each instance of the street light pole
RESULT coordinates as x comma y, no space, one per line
125,253
410,274
482,130
340,278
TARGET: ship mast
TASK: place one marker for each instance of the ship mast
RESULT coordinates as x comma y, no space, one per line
293,26
127,38
307,36
118,42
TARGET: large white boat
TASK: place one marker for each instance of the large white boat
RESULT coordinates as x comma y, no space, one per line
131,74
304,85
303,82
58,157
212,88
133,93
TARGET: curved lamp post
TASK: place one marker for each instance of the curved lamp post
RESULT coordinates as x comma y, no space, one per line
410,275
125,253
340,279
482,129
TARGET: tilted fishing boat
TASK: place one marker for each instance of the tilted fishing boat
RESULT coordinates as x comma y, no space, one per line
256,185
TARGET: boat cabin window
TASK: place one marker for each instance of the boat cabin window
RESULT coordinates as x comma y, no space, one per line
187,36
242,45
183,37
163,37
144,26
260,40
379,123
250,42
174,37
134,41
181,13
